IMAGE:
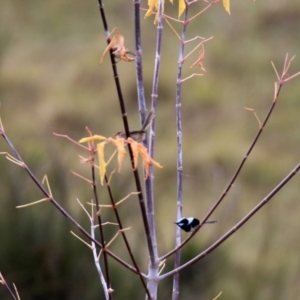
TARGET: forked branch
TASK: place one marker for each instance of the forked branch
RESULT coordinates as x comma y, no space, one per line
238,225
281,81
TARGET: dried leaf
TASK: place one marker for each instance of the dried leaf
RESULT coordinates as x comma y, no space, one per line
226,4
139,149
120,145
200,60
102,163
112,44
135,151
119,50
92,138
147,160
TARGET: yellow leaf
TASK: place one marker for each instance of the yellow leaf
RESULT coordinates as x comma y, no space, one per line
149,13
153,5
226,4
102,163
181,7
92,138
119,143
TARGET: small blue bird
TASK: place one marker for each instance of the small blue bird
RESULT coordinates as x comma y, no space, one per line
189,224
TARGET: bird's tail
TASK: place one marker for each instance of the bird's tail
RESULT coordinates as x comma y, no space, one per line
148,120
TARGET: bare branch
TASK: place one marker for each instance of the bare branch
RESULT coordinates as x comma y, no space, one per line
238,225
3,282
280,83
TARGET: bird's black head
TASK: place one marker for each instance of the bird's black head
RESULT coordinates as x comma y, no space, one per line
188,224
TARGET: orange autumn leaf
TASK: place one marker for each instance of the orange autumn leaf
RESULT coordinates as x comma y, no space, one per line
120,145
134,147
102,163
139,150
119,50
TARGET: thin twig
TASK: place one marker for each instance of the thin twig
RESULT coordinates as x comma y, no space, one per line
3,282
202,11
94,250
16,291
191,76
94,186
81,240
238,225
201,43
279,85
70,139
173,29
114,205
58,206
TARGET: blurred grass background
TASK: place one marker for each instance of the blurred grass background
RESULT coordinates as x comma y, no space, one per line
51,81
